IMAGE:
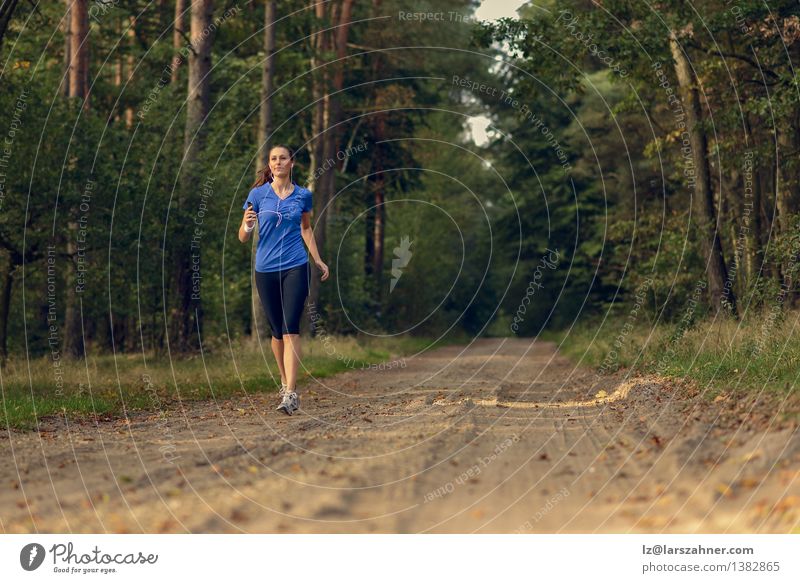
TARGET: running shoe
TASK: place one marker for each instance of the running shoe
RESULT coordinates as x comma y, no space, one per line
286,403
294,401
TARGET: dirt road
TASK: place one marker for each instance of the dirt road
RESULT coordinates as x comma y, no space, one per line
503,435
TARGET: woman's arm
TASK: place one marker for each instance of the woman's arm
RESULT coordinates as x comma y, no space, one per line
308,236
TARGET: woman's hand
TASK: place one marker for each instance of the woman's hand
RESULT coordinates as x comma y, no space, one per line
323,268
250,217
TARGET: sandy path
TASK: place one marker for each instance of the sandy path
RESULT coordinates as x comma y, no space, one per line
500,436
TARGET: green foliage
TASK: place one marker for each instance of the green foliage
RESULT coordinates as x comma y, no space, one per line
760,353
614,115
584,158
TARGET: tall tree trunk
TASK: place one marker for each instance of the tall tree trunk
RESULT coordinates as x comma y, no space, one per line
379,223
67,48
756,243
703,199
334,77
119,65
319,158
6,287
267,84
769,223
259,319
72,343
369,229
732,215
130,65
752,198
79,52
327,131
186,318
177,38
786,199
319,80
342,19
786,196
376,224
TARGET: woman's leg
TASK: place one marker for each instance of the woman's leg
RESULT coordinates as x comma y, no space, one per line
295,284
269,290
277,350
291,359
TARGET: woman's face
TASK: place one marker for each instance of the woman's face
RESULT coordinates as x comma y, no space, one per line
280,163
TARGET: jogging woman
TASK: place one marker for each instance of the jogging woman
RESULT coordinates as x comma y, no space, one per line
283,212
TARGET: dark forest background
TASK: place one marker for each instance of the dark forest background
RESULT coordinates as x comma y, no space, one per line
641,156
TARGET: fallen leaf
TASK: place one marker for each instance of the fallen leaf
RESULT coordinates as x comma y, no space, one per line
787,503
751,455
238,516
724,490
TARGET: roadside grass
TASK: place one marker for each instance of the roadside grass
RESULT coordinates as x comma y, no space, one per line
726,357
108,386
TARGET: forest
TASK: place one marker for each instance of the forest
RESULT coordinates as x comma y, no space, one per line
625,161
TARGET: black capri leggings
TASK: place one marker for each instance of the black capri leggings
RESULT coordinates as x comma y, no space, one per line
283,295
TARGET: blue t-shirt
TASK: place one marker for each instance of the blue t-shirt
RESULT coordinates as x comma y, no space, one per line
280,244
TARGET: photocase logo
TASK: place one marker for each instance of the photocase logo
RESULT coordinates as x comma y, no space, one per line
402,257
31,556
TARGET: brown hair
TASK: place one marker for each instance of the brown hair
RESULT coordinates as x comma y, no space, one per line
265,174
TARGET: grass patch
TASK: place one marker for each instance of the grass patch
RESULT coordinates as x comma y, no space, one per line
726,356
108,385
